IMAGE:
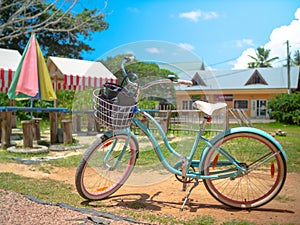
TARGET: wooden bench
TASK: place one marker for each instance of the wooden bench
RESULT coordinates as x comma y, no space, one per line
36,128
27,126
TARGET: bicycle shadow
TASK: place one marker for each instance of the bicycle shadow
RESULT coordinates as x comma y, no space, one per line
132,200
145,201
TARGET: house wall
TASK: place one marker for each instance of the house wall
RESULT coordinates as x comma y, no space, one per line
256,99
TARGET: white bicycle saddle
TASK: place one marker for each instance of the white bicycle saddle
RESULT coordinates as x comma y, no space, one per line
208,108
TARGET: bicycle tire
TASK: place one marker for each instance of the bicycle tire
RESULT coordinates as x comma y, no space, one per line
253,189
98,177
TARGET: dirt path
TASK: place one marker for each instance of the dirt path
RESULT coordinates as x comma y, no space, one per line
165,198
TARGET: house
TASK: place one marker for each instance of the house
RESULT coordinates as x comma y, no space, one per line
247,89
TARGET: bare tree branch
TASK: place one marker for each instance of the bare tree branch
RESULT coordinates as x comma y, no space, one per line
17,24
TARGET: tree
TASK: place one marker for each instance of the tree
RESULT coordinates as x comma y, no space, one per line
261,59
146,73
296,60
143,69
59,31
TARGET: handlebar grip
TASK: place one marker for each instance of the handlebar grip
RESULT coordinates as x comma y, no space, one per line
185,82
128,59
172,78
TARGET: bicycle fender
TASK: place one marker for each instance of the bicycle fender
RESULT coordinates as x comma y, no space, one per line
245,129
111,133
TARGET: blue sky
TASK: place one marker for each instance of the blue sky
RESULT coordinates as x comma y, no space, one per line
222,33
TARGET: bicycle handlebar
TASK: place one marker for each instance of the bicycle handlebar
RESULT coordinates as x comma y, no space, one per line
171,78
127,59
167,81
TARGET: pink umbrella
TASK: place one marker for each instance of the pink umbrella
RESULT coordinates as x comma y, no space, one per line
31,79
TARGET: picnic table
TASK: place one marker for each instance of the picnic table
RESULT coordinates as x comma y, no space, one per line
6,115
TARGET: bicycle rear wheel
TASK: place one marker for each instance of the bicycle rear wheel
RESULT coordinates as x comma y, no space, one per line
264,162
105,166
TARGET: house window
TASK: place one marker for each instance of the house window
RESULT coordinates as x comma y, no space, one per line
240,104
257,80
187,104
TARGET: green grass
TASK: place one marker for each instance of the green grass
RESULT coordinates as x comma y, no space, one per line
44,189
236,222
6,156
170,220
69,162
284,198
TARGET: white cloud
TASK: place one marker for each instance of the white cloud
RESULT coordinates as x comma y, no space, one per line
197,14
277,43
243,42
133,9
297,14
153,50
209,15
186,46
193,15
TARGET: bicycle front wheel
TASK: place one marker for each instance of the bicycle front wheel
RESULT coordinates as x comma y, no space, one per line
264,162
105,166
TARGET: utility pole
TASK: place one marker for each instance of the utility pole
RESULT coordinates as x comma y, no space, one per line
288,66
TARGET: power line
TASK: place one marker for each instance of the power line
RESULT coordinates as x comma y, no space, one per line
228,60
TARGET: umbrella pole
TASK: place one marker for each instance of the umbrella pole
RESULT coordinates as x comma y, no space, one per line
31,106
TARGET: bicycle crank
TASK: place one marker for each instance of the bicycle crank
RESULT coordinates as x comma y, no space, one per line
184,179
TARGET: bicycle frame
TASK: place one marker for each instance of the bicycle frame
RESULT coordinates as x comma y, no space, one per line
176,169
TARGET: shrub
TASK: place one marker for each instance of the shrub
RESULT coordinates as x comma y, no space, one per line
285,108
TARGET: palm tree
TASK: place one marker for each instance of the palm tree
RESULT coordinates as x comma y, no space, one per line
261,59
296,59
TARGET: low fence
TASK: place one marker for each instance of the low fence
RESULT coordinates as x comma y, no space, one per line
172,121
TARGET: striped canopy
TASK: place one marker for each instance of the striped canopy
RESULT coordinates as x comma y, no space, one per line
9,60
74,74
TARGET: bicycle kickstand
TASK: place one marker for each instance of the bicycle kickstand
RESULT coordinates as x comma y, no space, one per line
188,194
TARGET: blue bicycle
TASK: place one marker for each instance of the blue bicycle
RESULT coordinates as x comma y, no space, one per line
241,167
